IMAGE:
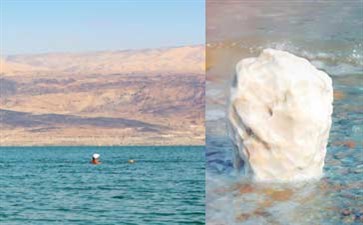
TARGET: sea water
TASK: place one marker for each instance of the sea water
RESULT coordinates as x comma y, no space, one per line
330,35
59,185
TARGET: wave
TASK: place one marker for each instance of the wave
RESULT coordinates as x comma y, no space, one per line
335,57
336,60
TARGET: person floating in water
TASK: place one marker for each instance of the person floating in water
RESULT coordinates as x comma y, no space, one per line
95,159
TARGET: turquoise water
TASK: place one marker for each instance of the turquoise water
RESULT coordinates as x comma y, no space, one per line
58,185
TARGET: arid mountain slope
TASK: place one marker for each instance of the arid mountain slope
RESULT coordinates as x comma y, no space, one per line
103,98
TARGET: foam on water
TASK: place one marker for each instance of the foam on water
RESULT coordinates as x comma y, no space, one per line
338,59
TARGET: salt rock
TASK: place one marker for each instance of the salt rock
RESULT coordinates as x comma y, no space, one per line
280,117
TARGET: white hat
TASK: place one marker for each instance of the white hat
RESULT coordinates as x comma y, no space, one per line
96,156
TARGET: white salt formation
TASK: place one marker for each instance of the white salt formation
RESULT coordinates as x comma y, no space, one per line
280,117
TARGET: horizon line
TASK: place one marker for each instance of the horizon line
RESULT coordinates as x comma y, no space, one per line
100,50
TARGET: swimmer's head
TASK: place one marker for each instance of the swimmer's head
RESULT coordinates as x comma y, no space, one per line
95,156
95,159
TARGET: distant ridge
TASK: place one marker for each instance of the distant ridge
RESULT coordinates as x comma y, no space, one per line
189,59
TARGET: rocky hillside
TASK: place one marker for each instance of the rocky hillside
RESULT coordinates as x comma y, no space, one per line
149,97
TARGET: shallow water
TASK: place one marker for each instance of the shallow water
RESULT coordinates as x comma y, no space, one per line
58,185
330,35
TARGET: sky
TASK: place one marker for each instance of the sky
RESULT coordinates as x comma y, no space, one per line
29,26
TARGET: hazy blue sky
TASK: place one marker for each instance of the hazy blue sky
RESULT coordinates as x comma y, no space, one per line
88,25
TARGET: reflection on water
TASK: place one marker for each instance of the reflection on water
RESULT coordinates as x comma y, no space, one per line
330,35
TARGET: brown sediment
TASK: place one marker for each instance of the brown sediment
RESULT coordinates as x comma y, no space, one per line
350,144
273,196
339,95
247,188
276,195
265,214
346,143
243,217
283,195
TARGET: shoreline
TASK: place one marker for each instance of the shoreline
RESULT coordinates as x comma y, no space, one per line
141,145
183,142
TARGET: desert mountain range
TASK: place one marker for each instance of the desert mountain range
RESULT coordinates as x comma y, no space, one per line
134,97
166,60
